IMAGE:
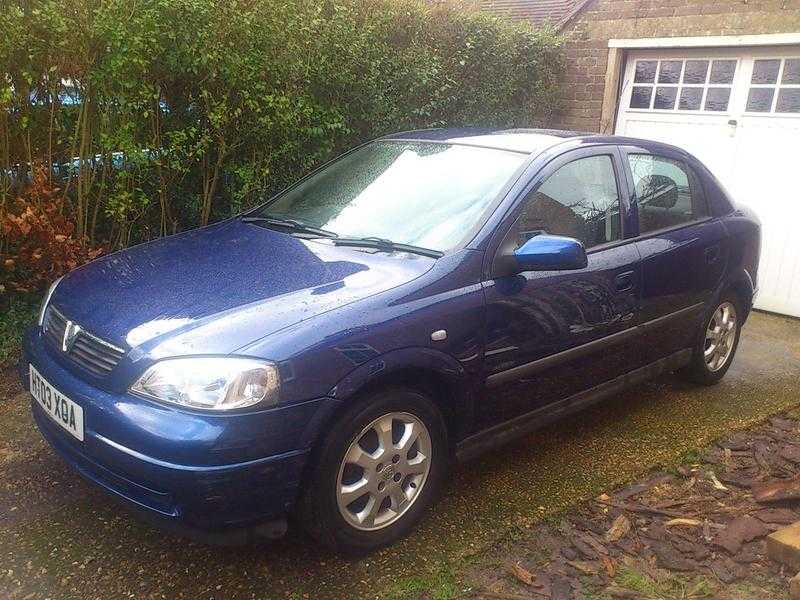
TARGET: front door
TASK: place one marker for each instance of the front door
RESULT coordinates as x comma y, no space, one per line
552,334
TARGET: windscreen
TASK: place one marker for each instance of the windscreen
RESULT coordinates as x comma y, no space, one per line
425,194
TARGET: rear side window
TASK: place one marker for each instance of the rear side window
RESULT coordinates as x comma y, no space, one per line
579,200
668,192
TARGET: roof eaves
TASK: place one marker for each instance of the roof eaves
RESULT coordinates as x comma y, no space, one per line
579,7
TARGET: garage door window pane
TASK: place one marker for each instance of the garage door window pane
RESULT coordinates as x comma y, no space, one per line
691,98
683,84
640,98
695,71
670,71
760,99
717,99
791,72
579,200
645,71
788,101
722,72
665,98
663,193
766,71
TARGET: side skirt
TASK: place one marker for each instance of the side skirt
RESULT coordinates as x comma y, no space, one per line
510,430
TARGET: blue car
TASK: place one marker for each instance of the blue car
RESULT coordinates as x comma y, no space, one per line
424,297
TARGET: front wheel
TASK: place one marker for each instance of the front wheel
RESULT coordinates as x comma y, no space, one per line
714,352
377,470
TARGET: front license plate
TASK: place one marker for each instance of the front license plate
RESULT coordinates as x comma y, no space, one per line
65,412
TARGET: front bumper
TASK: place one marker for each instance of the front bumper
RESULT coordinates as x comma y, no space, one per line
188,471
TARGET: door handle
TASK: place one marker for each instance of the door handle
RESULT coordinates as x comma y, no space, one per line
712,254
624,281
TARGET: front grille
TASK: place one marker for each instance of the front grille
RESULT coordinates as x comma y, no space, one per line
54,326
87,350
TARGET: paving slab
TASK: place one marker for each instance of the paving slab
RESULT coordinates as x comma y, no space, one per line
783,546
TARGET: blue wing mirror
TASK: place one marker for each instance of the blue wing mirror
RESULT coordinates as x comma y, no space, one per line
546,252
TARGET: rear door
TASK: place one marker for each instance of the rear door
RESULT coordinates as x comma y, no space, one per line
683,248
552,334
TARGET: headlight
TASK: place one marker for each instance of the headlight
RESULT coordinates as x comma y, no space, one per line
46,299
215,383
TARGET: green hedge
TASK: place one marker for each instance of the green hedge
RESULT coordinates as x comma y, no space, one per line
15,316
189,110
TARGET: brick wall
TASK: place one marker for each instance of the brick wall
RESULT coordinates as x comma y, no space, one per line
586,49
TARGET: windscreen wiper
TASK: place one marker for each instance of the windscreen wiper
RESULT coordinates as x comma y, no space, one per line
363,242
385,245
292,224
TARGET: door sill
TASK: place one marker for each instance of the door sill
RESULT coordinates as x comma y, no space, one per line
519,426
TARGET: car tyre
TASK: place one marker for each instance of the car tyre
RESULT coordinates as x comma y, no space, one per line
359,456
717,342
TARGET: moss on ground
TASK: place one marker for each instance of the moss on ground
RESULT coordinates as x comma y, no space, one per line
671,587
438,585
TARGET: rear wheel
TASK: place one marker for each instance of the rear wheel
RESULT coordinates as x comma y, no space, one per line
378,469
714,352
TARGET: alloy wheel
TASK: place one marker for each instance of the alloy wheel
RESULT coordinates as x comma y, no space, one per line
383,471
720,336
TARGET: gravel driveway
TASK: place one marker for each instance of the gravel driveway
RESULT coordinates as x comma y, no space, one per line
61,538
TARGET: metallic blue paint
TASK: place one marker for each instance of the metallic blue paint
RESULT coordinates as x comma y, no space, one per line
550,253
337,320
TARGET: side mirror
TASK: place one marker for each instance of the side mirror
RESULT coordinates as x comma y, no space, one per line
546,252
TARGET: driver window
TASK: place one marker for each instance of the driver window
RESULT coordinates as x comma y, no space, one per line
579,200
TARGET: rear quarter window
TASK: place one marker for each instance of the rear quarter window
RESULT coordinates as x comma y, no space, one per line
668,192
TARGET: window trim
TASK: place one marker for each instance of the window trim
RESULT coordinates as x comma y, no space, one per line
608,245
696,186
657,232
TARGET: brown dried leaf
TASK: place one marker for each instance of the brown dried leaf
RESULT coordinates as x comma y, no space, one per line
610,566
682,522
715,482
40,238
586,567
522,574
619,529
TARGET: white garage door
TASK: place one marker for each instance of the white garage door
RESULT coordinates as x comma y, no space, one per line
737,110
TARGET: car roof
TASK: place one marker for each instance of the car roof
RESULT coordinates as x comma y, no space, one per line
528,141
